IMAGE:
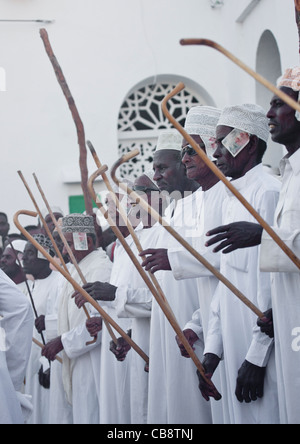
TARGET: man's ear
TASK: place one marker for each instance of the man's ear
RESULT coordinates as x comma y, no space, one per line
252,145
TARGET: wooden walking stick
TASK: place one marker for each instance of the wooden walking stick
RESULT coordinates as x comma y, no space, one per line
59,255
76,118
147,280
76,286
183,242
70,252
205,42
223,178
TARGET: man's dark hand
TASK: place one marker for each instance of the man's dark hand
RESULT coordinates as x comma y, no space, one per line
250,382
234,236
94,325
52,348
40,324
157,259
120,349
266,323
99,291
210,363
191,337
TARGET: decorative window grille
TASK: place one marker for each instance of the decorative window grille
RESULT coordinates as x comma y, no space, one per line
141,120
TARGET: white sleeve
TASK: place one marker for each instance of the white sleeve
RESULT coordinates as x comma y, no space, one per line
214,341
74,342
133,302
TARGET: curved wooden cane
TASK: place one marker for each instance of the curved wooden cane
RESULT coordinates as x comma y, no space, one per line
221,176
205,42
76,286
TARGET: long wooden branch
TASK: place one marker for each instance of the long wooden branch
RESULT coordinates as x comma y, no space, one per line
76,117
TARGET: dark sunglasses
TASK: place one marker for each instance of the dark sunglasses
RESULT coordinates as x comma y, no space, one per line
189,150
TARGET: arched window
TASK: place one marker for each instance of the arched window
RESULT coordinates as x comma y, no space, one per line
141,119
268,64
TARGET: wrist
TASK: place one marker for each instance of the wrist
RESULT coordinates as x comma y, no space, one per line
210,363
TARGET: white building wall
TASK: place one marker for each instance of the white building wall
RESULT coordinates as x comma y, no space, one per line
105,48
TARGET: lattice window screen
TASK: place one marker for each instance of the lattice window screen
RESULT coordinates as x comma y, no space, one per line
141,120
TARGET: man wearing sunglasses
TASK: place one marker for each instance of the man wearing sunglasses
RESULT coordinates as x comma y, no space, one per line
173,398
200,124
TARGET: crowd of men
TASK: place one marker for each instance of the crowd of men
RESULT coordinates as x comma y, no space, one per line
80,370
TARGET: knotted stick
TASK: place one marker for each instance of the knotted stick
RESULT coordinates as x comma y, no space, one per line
183,242
205,42
146,278
76,286
221,176
70,252
76,118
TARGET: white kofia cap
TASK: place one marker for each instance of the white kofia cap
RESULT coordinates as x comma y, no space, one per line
249,118
169,141
202,121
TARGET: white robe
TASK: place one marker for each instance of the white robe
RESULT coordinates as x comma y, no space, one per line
16,326
185,266
115,375
174,397
81,362
60,411
135,301
41,290
232,329
285,289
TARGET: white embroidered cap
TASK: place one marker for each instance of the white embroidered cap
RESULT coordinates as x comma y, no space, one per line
202,121
248,117
291,79
169,141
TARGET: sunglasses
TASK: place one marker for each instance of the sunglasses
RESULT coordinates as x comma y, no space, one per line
189,150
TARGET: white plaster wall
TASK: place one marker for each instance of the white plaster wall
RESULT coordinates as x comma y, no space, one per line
105,48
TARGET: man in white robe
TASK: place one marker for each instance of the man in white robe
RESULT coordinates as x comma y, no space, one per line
249,376
134,300
173,386
41,289
115,375
16,326
284,126
200,124
81,362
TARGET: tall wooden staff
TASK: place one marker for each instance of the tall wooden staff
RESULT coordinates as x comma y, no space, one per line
297,10
180,239
205,42
147,280
75,284
76,117
221,176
